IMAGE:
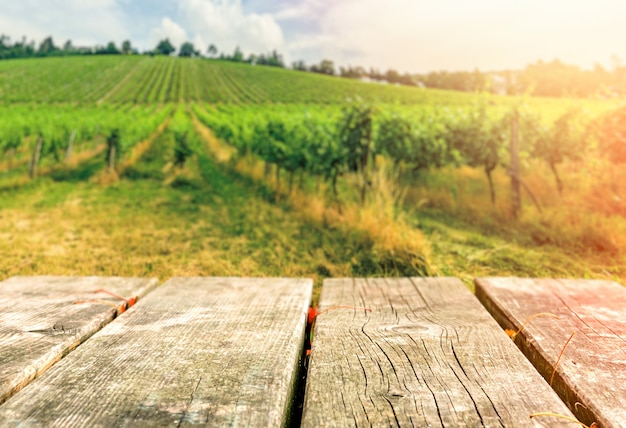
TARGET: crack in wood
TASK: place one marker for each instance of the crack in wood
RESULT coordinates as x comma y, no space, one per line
184,414
428,353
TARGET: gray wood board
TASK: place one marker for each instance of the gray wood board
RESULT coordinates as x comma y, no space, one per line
592,369
427,355
210,351
39,322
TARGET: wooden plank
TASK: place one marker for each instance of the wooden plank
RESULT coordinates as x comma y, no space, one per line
40,323
428,354
211,351
592,369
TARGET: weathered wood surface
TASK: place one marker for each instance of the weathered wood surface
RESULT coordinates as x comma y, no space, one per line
39,322
592,370
427,355
211,351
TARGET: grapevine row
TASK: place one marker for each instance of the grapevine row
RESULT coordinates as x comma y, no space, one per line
329,142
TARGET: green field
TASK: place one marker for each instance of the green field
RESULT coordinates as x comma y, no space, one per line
273,194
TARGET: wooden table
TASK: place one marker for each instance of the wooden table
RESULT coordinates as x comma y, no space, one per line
428,354
591,374
216,351
385,352
40,321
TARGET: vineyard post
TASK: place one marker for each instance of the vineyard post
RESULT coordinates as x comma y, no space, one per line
68,152
12,153
267,170
291,173
112,142
111,157
515,165
34,160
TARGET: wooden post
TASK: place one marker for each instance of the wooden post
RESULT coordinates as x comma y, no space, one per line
34,160
111,157
267,170
68,152
515,167
112,142
11,155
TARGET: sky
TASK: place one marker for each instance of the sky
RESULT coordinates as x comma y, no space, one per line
406,35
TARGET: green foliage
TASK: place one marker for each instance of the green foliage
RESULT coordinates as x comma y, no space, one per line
188,50
185,140
47,47
127,48
109,49
419,142
22,125
355,134
324,67
165,47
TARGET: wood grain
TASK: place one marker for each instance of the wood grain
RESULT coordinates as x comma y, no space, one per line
592,370
39,322
427,355
210,351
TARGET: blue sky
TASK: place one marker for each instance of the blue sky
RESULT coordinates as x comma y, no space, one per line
408,35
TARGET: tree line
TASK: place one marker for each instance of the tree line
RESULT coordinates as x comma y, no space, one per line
550,79
553,79
29,49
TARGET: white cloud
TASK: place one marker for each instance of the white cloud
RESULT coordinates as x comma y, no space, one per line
419,35
408,35
225,24
171,30
86,22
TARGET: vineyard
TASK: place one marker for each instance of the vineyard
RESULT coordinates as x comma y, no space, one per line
374,161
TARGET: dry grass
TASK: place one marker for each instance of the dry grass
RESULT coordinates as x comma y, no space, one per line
147,229
586,220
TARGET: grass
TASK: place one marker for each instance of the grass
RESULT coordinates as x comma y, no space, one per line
579,234
208,219
467,252
158,222
214,218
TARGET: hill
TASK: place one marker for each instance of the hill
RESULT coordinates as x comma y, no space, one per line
144,79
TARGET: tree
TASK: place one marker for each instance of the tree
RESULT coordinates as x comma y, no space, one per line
165,47
479,139
275,60
127,48
68,47
237,55
187,50
324,67
563,140
47,47
212,50
110,49
299,65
